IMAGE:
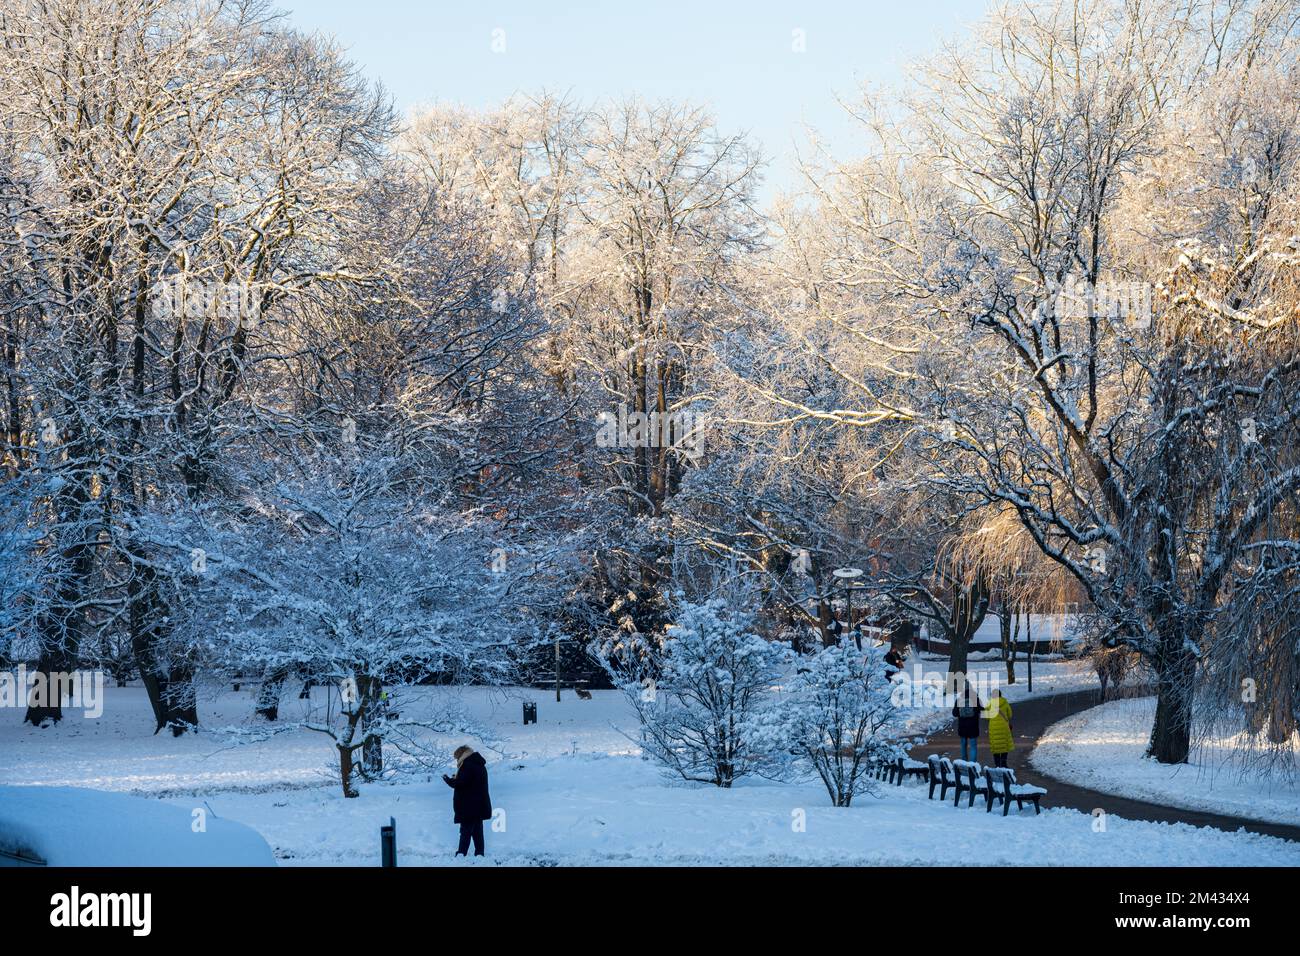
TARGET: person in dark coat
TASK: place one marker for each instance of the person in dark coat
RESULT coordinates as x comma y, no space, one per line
470,800
893,662
967,711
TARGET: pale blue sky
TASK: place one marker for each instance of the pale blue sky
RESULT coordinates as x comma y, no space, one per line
735,57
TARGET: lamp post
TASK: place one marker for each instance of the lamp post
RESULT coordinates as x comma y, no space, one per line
847,576
1033,646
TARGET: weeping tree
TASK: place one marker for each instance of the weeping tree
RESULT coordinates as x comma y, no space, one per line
995,547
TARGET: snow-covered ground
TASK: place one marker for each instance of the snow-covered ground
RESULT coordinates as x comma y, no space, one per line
74,826
612,810
1103,749
118,751
572,789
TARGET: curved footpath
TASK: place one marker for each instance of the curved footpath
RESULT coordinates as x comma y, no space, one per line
1031,718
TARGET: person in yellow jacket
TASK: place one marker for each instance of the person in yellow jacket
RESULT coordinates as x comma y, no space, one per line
1000,742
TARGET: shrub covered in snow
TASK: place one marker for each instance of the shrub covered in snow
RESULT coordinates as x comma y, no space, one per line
701,692
838,716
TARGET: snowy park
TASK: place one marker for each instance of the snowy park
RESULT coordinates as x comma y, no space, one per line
575,789
853,436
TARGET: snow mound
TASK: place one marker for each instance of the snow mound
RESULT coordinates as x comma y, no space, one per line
1104,748
68,826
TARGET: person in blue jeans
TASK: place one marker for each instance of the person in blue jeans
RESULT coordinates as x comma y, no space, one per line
967,713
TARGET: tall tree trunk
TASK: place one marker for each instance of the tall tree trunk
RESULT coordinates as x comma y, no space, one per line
268,696
970,604
824,616
370,689
958,657
345,770
168,684
1171,735
61,629
346,750
44,703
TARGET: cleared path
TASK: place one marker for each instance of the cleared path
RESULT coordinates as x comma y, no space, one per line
1031,718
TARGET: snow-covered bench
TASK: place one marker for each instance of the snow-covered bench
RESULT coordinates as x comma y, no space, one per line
942,775
895,769
970,779
1002,786
882,768
994,783
907,767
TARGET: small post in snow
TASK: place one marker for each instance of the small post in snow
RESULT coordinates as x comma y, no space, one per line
388,844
